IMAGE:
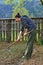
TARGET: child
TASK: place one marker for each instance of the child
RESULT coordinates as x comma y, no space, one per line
28,25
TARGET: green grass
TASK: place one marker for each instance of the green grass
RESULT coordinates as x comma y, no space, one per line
13,36
16,51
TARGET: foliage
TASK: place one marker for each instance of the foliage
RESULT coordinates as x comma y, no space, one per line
41,2
40,42
29,0
19,8
32,8
7,1
22,11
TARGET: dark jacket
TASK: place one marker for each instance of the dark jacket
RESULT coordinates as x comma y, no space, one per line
27,22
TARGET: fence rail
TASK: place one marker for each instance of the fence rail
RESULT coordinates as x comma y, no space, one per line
9,29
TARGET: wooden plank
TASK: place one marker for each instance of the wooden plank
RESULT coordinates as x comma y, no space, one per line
42,29
38,28
16,30
8,32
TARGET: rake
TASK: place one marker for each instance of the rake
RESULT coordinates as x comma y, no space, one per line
8,48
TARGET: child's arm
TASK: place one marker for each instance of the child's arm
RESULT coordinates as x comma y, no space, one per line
19,36
27,32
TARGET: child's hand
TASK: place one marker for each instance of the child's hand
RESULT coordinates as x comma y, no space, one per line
18,40
25,34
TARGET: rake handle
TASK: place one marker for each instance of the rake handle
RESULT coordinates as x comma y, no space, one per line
11,44
16,41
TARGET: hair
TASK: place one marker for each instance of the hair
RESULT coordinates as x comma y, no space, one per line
25,16
17,15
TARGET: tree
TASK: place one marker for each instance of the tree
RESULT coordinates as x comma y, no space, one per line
18,6
7,1
22,11
41,2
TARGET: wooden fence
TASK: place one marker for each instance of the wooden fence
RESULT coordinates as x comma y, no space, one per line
9,29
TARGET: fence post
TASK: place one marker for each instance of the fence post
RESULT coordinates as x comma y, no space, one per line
0,30
8,32
38,28
42,30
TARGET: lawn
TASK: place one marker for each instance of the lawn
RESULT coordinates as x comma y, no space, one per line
16,51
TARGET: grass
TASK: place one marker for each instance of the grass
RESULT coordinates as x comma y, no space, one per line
13,36
16,51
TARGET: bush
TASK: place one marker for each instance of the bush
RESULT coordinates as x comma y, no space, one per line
40,42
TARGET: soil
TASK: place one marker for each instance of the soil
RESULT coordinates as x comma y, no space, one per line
36,58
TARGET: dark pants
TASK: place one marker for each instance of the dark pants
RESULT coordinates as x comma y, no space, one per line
29,47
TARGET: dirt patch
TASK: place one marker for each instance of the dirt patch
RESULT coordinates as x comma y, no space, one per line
36,58
18,50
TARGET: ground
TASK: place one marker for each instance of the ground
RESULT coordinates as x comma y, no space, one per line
13,55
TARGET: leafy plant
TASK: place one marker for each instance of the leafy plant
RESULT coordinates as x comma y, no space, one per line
40,42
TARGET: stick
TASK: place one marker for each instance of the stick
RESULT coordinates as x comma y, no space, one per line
11,44
28,32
